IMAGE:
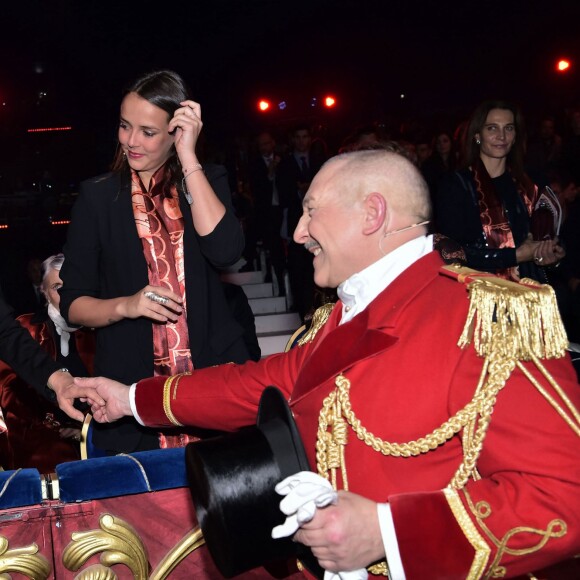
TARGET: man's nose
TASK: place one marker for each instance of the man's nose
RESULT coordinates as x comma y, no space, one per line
301,232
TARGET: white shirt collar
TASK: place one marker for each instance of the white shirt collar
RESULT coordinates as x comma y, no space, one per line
358,291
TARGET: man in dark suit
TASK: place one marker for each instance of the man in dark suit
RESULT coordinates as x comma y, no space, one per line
268,212
34,365
293,178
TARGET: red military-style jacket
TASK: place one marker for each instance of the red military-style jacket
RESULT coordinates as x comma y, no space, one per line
406,375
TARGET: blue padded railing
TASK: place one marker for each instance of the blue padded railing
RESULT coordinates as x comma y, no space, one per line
18,488
121,475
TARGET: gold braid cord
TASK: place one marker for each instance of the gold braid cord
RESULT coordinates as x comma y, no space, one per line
508,322
319,318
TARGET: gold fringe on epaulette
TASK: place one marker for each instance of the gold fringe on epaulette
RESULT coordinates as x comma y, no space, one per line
527,313
509,322
319,318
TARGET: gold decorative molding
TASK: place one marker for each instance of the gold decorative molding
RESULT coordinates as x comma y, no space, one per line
96,572
117,540
23,560
188,544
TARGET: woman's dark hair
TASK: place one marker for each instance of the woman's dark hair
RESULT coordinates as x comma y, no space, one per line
164,89
451,161
515,158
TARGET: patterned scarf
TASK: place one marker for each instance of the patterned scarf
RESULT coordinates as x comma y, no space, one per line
160,226
496,227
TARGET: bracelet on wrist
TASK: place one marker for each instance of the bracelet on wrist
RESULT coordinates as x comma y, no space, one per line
186,173
196,167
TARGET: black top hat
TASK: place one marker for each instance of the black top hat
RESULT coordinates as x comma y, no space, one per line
232,480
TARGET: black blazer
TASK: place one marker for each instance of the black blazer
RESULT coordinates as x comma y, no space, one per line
288,175
23,353
261,186
104,259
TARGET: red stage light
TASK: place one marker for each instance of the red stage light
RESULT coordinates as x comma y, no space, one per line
563,65
329,101
48,129
263,105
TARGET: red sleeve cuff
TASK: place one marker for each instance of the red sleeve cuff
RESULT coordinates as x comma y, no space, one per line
149,402
435,539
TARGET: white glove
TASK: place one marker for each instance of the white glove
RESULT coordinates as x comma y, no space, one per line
305,492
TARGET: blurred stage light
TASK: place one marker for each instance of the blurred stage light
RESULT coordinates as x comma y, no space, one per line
263,105
48,129
282,105
563,65
329,101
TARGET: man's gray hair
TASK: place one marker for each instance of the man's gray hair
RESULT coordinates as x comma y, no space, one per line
390,173
52,263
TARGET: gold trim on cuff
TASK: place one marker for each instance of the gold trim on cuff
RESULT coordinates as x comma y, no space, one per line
482,549
167,400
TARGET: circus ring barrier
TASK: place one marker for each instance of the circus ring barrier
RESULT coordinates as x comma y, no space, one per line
122,517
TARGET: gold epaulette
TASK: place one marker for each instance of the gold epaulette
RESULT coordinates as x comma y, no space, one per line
319,318
522,315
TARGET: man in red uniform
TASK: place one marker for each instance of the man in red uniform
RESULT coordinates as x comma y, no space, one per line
449,462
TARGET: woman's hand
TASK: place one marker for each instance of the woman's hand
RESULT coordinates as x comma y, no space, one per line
154,302
187,124
548,253
544,253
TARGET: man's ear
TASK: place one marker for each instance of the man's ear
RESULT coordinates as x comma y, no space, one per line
375,207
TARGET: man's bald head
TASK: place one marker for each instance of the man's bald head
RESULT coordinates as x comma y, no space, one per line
387,173
354,207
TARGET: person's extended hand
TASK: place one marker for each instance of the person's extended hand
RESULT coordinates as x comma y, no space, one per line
543,253
66,391
187,124
111,401
345,536
167,307
548,253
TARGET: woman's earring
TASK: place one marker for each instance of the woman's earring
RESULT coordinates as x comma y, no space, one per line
478,141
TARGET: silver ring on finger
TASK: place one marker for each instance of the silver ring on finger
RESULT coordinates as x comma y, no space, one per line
154,297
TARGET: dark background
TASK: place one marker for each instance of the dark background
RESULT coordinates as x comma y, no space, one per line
66,62
444,56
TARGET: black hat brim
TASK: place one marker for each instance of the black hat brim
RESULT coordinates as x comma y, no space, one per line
232,480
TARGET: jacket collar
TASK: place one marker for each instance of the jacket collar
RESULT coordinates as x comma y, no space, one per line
340,347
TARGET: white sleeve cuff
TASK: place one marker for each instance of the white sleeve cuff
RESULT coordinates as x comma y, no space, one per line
389,536
132,390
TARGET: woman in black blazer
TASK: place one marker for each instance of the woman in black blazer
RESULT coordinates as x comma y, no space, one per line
143,249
